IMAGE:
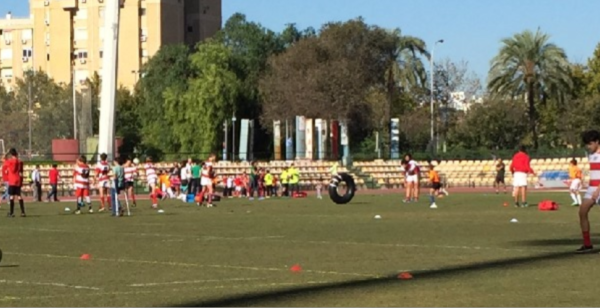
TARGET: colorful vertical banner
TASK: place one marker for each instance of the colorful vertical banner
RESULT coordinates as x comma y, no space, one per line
335,140
289,142
251,131
243,156
344,134
345,142
300,136
395,138
309,137
324,139
318,130
277,139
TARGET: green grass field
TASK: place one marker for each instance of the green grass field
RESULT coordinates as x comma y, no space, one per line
465,253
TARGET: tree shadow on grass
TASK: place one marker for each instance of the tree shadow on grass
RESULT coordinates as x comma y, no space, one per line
262,298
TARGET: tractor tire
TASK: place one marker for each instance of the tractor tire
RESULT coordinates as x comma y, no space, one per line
351,189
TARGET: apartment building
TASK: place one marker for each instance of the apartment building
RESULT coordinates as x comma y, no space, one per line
64,37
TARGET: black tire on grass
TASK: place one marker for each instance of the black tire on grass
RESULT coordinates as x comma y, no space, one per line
351,189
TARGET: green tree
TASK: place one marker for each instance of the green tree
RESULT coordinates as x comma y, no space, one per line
94,85
593,73
528,64
492,125
251,44
127,124
208,101
52,111
169,69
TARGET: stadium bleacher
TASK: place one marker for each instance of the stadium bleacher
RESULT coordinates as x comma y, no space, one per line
385,174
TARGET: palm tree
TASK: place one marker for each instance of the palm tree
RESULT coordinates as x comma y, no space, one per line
528,64
405,71
406,68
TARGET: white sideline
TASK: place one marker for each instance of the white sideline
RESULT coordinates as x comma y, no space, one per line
179,238
151,284
52,284
182,264
117,293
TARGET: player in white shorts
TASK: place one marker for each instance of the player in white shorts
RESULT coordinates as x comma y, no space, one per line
102,180
152,180
412,179
207,176
575,178
592,141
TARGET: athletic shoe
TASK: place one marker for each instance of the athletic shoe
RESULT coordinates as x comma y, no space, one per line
77,212
102,209
91,211
575,204
9,215
433,206
517,204
23,215
585,249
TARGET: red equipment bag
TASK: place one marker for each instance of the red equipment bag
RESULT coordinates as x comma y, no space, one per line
548,205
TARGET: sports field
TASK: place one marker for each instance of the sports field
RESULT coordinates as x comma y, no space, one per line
465,253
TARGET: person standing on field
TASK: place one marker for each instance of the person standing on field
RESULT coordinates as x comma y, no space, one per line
520,168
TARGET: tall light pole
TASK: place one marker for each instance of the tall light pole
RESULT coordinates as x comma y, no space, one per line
432,77
30,111
75,136
233,119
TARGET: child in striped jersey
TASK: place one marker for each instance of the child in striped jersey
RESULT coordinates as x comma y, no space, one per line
591,139
131,173
81,179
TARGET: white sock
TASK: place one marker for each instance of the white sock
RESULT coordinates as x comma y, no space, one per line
574,197
579,199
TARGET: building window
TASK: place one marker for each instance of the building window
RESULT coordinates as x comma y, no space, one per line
27,53
7,35
142,12
81,34
81,76
101,13
81,54
27,34
6,54
101,54
190,29
144,53
47,57
7,73
81,14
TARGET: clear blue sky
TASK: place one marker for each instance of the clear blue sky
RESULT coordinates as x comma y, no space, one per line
471,29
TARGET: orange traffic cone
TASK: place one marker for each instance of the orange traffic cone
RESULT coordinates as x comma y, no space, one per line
85,256
296,268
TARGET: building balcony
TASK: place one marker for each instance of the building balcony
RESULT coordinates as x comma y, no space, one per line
68,4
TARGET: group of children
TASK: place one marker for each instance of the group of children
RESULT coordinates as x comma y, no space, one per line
412,173
109,180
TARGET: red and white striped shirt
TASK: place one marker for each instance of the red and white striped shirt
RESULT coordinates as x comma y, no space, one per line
594,160
81,174
130,173
102,169
150,172
207,170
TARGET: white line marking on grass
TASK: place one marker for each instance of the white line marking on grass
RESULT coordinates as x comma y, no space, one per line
52,284
137,285
180,238
418,246
235,267
117,293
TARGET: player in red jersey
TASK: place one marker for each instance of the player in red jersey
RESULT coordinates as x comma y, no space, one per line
103,181
14,170
81,179
206,180
131,173
592,141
